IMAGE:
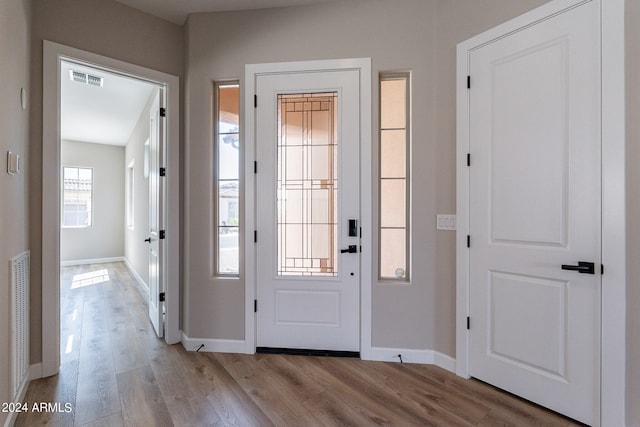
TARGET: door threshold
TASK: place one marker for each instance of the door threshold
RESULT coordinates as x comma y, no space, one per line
307,352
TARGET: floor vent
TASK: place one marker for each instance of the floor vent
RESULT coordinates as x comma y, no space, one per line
19,321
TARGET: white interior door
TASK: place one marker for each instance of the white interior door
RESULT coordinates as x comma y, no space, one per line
535,205
155,240
307,190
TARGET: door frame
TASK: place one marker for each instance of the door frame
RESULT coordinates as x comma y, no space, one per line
252,71
53,54
613,297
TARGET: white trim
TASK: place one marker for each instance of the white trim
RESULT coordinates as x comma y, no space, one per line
427,357
613,339
212,345
251,72
135,275
92,261
35,371
53,53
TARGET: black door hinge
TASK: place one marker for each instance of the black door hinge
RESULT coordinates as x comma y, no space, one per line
255,305
468,159
161,234
468,241
601,268
163,172
161,297
468,322
255,167
163,112
255,101
255,236
468,82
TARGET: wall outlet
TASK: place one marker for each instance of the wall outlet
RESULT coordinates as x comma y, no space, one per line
446,222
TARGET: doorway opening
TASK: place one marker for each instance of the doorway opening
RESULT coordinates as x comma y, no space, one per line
81,206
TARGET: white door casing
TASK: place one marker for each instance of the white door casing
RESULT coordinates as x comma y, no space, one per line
533,132
294,310
156,214
253,72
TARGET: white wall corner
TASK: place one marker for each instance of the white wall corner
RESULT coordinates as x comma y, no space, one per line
35,371
212,345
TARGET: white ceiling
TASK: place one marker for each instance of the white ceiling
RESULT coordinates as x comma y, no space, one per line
102,115
177,11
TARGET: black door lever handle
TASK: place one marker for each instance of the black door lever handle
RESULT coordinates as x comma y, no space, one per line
148,240
352,249
582,267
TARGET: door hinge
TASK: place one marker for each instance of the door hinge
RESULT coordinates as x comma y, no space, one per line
468,241
163,172
255,101
468,322
163,112
255,167
468,159
255,305
161,234
601,268
161,298
255,236
468,82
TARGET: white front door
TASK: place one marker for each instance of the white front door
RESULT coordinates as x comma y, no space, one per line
156,244
535,212
307,192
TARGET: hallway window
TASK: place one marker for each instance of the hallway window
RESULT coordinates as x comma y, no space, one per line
227,177
394,183
77,197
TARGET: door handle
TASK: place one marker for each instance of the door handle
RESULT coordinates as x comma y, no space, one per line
352,249
582,267
148,240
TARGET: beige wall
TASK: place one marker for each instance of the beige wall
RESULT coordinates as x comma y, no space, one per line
100,26
107,162
633,210
135,249
414,35
15,27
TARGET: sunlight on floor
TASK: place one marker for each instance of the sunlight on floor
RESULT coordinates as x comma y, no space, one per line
88,279
69,346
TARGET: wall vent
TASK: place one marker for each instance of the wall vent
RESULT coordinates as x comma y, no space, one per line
19,267
89,79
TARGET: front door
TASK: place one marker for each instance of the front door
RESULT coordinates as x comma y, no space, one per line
307,201
535,212
156,247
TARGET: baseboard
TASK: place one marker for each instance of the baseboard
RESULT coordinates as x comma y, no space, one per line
427,357
35,372
91,261
135,274
212,345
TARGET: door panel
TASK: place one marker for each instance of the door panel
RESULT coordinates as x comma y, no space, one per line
307,188
156,134
534,206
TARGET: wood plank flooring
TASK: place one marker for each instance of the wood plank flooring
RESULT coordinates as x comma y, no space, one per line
115,372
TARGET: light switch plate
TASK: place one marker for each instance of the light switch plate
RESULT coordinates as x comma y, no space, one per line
446,222
13,163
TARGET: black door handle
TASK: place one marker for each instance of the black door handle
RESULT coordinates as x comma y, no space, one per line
352,249
582,267
148,240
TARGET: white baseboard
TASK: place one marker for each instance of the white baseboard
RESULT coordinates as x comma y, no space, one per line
91,261
427,357
35,372
135,274
212,345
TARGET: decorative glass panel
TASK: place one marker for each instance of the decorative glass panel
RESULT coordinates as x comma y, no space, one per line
307,185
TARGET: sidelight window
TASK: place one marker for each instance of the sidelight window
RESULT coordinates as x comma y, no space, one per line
227,178
394,172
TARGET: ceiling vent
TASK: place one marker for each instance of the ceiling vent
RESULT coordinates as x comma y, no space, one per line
80,77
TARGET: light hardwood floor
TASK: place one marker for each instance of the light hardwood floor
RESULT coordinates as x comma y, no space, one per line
115,372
